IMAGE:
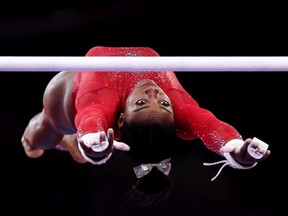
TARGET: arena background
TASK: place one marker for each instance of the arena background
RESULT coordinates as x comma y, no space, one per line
253,102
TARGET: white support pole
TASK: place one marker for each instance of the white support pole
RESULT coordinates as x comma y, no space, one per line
111,63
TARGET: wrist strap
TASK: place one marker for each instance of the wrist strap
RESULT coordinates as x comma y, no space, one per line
229,161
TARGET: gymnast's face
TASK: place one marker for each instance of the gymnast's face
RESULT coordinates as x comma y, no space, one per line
148,102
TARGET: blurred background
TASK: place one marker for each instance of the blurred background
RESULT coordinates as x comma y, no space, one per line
253,102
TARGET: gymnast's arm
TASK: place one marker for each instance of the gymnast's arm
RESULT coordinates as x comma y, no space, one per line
220,137
94,121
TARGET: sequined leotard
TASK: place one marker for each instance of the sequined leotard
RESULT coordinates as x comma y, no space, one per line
99,98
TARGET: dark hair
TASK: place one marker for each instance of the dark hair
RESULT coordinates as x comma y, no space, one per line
150,142
150,190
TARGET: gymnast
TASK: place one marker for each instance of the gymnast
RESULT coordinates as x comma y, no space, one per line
93,114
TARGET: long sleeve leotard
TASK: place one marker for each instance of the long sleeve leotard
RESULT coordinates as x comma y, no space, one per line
100,97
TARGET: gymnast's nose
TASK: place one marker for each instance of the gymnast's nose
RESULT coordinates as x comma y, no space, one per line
152,92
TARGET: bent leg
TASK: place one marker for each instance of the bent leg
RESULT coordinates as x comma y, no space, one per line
46,129
39,136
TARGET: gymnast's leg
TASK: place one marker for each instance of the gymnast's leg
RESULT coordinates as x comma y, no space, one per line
47,129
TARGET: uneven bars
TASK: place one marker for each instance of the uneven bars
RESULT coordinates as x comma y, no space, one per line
143,63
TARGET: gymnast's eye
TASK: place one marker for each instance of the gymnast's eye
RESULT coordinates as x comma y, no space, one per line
140,102
164,103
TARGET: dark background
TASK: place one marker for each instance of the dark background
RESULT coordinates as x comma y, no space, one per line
253,102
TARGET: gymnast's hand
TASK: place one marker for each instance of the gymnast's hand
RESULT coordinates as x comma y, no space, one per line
242,153
97,147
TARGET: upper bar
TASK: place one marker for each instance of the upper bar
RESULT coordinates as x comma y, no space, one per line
143,63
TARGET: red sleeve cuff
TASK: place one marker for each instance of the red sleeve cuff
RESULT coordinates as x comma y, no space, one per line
90,121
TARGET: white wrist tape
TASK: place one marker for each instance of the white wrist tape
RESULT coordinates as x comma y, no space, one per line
94,162
233,163
229,159
92,140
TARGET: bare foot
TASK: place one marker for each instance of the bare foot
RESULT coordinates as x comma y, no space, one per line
30,151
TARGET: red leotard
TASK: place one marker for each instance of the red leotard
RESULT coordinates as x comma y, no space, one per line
100,97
